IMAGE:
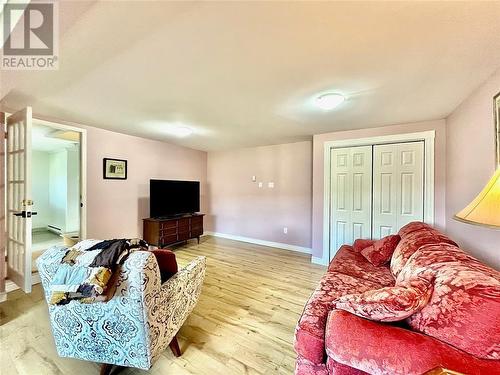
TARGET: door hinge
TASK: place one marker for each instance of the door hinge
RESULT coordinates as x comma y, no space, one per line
6,135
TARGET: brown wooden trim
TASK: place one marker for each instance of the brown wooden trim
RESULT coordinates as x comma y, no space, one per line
3,270
174,346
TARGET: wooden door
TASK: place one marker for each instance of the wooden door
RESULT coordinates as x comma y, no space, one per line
19,203
350,195
398,186
3,269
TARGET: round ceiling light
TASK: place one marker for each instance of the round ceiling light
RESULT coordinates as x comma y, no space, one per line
182,131
329,101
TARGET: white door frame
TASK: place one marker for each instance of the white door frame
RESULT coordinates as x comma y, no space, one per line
83,168
426,136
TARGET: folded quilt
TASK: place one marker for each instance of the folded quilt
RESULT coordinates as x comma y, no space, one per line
87,269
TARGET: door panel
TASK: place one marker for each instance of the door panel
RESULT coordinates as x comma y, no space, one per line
19,204
411,195
3,269
398,186
351,180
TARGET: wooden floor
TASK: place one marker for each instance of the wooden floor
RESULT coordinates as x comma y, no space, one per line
243,323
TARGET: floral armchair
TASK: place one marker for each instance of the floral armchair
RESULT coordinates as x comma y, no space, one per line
137,324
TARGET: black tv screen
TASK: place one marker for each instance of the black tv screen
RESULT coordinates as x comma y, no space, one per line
172,197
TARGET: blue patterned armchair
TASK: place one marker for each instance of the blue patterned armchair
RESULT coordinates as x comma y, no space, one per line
137,324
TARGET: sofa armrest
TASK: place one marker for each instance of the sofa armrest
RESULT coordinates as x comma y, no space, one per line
379,348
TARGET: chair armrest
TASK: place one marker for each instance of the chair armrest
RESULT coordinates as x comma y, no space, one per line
380,348
168,310
47,265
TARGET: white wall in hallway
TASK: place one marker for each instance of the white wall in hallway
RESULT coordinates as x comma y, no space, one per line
58,189
40,178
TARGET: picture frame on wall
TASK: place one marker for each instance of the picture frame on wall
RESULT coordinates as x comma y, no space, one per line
114,169
496,116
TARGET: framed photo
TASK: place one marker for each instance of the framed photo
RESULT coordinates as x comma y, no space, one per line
496,115
114,169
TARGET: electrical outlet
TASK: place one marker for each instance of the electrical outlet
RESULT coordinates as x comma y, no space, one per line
261,184
285,230
270,185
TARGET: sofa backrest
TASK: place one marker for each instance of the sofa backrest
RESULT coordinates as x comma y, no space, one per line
413,236
464,308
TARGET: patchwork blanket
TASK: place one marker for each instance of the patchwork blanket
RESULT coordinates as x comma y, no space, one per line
88,270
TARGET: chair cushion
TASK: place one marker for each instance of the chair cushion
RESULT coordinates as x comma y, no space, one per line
380,252
388,304
166,263
350,262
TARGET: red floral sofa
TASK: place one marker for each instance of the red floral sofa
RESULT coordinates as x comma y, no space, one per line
446,304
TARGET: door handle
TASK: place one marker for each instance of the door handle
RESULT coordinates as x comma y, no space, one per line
25,214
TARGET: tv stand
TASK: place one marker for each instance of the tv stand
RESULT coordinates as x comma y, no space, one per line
172,230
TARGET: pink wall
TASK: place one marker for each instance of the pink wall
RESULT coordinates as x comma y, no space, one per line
318,169
116,208
471,163
239,207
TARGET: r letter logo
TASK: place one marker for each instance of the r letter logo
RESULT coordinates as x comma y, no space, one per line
30,36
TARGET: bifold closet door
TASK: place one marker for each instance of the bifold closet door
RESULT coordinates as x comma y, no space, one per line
350,195
398,186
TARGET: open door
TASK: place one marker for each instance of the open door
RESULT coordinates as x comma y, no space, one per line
19,202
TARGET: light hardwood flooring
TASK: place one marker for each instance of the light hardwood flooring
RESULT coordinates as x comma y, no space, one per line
243,324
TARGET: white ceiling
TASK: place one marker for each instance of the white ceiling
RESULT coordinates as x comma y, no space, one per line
44,139
244,73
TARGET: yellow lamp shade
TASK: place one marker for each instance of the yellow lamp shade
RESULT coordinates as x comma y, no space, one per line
485,208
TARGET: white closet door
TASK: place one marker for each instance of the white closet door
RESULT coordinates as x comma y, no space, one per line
398,186
351,181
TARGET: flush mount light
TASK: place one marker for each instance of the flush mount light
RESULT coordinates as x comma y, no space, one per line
329,101
181,131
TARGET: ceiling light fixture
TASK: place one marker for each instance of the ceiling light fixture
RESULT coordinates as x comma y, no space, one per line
329,101
181,131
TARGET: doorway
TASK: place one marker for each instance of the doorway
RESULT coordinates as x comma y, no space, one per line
55,159
45,183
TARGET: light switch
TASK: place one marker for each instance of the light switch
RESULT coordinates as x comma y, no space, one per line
254,178
270,185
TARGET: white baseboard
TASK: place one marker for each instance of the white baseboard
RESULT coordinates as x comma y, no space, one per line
279,245
320,261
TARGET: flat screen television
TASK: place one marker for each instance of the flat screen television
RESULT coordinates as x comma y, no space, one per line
173,198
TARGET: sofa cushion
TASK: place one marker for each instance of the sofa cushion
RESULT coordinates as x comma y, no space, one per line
350,262
411,242
380,252
385,349
361,243
464,308
388,304
336,368
310,330
412,227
